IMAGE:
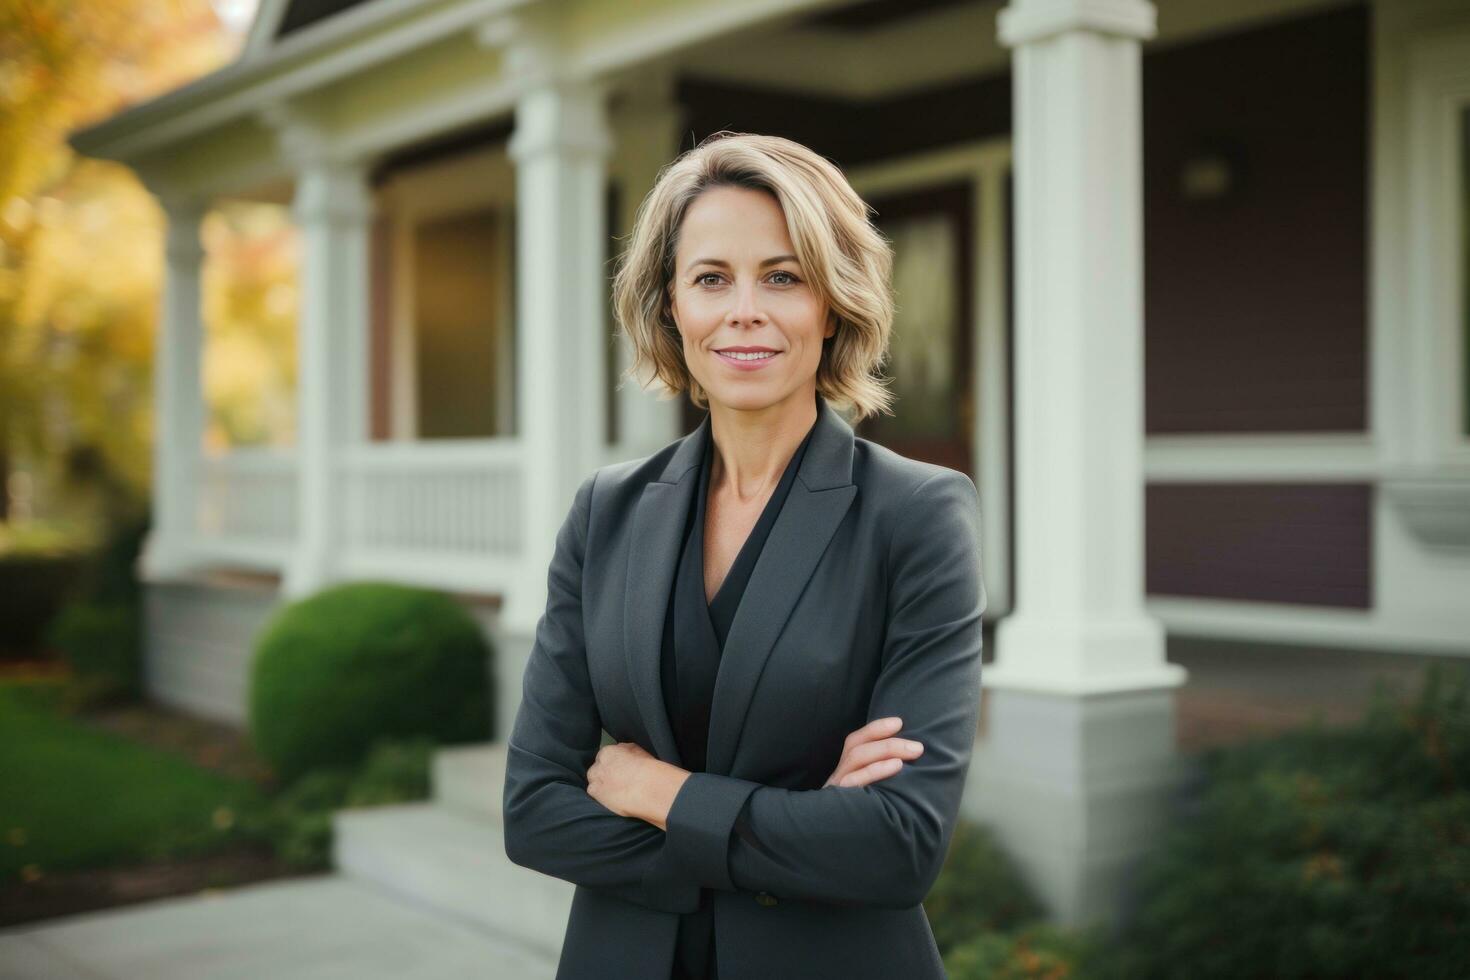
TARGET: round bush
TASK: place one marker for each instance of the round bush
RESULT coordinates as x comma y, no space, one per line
362,661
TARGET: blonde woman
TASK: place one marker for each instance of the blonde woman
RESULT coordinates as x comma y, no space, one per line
777,623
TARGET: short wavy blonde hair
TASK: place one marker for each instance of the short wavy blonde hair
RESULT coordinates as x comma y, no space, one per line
847,261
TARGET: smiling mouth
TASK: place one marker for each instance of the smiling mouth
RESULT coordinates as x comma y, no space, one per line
755,356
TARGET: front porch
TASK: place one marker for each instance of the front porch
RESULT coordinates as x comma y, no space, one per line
460,173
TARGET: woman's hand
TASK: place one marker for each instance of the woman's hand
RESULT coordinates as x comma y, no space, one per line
630,782
871,753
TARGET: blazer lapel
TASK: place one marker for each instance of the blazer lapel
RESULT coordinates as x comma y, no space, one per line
819,500
653,556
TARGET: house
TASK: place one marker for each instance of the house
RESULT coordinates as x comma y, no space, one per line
1182,285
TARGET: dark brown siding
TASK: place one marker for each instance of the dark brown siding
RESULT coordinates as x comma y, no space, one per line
1303,543
1256,301
851,133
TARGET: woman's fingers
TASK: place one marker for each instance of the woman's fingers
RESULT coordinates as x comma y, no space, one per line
879,759
877,728
881,769
870,752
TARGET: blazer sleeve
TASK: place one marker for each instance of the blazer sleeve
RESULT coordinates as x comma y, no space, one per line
551,824
882,844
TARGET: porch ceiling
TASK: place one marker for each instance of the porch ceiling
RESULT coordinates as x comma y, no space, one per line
388,73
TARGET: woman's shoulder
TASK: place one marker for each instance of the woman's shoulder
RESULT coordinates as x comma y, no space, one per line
883,473
617,483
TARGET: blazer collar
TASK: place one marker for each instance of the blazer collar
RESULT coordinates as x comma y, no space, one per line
819,499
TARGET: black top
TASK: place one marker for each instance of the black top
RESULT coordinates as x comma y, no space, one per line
694,638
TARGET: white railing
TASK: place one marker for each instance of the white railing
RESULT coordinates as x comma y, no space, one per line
442,512
245,508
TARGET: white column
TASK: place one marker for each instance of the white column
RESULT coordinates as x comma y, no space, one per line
178,399
333,210
560,148
1079,624
1078,758
648,123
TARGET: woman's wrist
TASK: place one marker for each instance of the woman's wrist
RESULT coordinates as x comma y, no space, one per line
661,785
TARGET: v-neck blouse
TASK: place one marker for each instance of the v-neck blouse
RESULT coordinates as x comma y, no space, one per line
693,642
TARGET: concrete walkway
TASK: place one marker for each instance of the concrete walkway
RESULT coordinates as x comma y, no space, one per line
324,927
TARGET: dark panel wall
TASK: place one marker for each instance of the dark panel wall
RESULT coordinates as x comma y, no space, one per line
1309,543
1256,301
851,133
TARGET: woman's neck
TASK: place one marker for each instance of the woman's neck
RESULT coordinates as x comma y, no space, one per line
752,448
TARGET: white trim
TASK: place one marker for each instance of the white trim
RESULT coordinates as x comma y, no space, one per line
1288,457
1438,93
1317,626
985,163
263,28
355,41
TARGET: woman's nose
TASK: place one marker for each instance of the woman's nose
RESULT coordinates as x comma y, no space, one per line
745,304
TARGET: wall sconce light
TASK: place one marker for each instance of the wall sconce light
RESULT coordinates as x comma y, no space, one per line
1209,176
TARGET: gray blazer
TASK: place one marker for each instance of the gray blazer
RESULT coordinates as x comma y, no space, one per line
865,602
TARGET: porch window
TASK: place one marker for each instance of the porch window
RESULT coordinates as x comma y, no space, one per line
458,330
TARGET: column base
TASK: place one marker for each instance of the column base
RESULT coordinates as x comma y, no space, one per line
1050,655
306,573
1077,789
512,652
164,557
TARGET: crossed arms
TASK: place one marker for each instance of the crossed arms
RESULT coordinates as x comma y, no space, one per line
878,845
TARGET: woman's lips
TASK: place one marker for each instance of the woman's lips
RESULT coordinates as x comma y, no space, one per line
750,364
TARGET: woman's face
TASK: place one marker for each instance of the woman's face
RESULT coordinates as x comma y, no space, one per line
737,286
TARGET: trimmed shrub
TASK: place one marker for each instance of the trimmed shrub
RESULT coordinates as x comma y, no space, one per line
357,662
978,890
1038,952
102,643
100,630
298,822
1321,853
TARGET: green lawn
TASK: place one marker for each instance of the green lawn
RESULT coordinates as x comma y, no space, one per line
75,797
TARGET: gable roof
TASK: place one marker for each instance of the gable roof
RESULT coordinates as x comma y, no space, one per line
275,19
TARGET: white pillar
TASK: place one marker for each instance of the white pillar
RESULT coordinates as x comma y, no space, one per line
1079,625
649,121
333,210
1079,750
560,148
178,399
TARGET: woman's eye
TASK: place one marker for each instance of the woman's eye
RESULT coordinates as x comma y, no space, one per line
791,279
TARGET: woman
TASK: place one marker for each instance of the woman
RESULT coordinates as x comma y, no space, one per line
777,623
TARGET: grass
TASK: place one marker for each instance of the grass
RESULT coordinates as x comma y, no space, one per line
72,796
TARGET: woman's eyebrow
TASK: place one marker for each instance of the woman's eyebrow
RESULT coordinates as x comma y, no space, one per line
723,264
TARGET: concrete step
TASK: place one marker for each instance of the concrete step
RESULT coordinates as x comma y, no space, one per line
453,863
470,779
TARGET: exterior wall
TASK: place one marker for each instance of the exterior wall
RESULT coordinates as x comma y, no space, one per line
1310,544
1256,298
198,639
1256,303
